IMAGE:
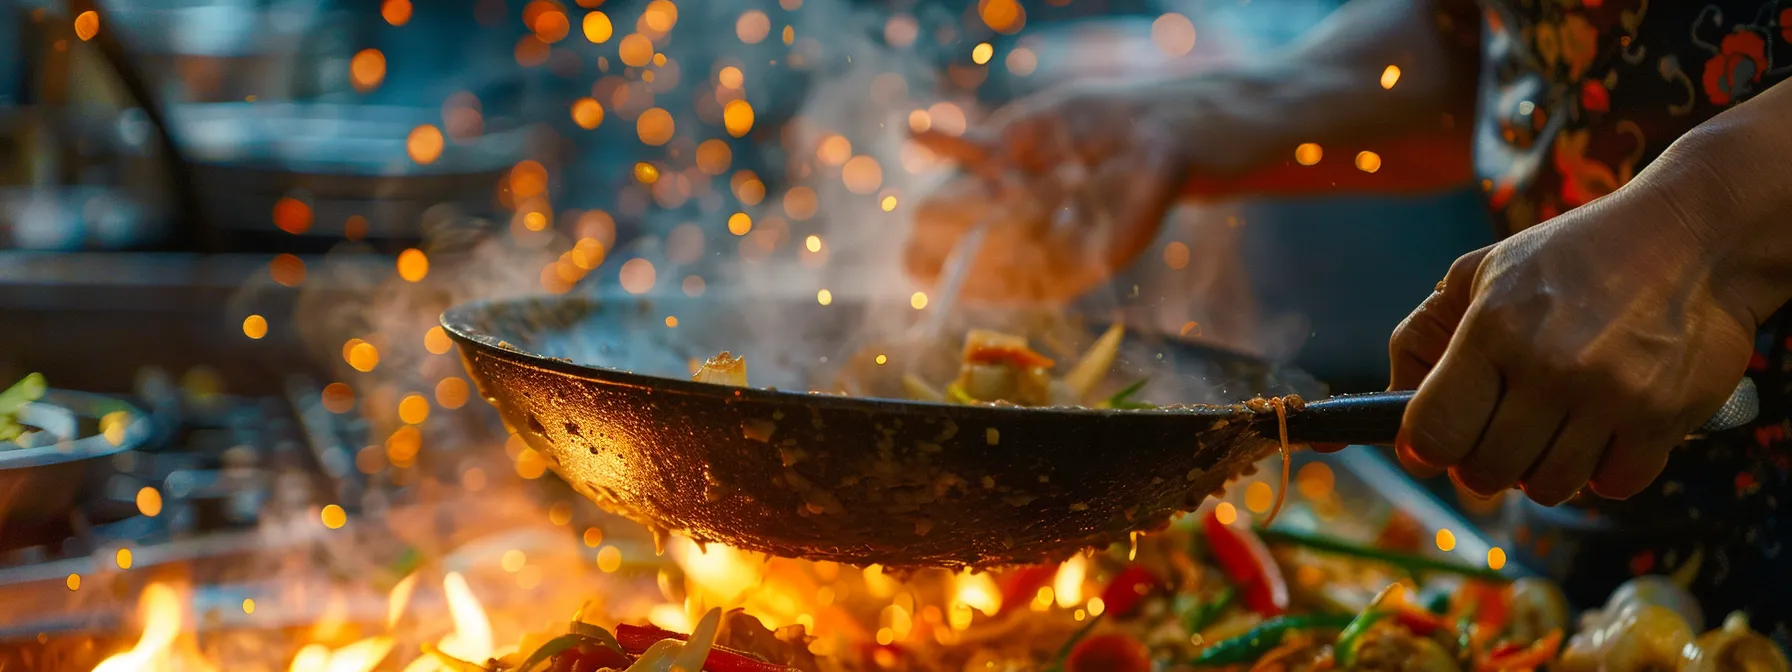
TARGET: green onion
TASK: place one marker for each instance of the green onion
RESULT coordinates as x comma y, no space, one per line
1411,563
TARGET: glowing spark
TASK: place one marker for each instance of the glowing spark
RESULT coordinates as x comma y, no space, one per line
1225,513
825,297
609,559
587,113
367,69
424,144
655,127
255,327
646,173
918,300
889,203
123,558
87,25
1308,153
1368,162
413,409
334,517
338,398
292,215
248,605
635,50
598,28
149,502
1390,77
436,341
981,53
1258,497
737,117
1496,558
396,12
363,357
730,77
637,276
672,321
413,265
813,243
1446,540
74,582
740,224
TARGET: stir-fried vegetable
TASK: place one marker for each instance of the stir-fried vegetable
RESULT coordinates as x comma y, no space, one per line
30,388
1096,362
723,369
1412,563
1252,645
1248,564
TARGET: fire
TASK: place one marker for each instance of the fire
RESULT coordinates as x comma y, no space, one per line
1068,584
162,612
472,636
361,656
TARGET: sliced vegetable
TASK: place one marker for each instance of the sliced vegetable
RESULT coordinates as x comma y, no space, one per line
955,394
982,346
1096,362
1421,622
1528,658
723,369
1252,645
1489,606
1128,588
1352,635
1108,652
637,639
1249,565
1411,563
30,388
919,390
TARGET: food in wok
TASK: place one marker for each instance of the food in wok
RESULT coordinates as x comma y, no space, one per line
1208,593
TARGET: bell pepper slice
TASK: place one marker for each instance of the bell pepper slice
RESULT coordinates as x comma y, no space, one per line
1249,565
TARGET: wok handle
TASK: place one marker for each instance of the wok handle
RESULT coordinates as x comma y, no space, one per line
1374,418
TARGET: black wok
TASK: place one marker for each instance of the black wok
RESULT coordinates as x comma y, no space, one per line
601,388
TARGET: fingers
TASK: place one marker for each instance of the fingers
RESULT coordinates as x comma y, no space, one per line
1521,429
1420,340
1570,461
1452,408
1631,464
971,150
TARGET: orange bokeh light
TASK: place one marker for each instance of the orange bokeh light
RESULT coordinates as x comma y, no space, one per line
292,215
425,144
367,69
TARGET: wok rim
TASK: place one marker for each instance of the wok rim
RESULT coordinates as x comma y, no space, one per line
92,446
458,322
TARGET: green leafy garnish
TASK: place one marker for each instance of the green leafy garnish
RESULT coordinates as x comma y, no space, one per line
1197,614
602,636
27,390
1123,398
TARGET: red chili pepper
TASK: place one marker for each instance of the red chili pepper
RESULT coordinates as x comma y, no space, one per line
1418,620
1529,658
1250,566
1111,652
636,638
1492,605
1020,586
1124,593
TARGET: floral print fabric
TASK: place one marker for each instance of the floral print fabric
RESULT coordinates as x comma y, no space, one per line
1579,95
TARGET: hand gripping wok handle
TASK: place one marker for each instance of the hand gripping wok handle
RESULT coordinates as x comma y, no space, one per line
1374,418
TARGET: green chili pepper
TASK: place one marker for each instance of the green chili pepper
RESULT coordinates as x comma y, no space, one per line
1260,640
1198,614
1353,634
1411,563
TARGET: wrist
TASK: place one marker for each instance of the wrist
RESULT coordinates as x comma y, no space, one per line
1726,182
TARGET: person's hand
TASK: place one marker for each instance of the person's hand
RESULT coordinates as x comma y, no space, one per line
1072,182
1580,351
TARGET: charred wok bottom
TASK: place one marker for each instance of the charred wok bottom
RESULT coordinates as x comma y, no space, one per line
906,486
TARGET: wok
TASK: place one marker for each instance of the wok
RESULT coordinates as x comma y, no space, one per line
601,389
40,487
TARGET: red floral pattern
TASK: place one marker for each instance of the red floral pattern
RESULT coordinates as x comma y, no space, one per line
1732,73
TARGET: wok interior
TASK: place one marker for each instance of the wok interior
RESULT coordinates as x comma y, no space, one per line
802,346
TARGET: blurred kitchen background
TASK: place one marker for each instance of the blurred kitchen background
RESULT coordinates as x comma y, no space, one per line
311,138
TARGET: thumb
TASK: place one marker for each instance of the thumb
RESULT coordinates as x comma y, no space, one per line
1420,339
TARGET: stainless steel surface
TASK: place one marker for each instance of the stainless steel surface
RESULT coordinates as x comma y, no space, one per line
1740,409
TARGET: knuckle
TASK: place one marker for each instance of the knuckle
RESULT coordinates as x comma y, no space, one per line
1438,446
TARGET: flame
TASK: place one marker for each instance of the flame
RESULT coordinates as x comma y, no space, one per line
361,656
1068,584
724,573
399,599
161,611
979,591
472,636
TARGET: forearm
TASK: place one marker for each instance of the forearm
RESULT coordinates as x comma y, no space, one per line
1327,90
1727,182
